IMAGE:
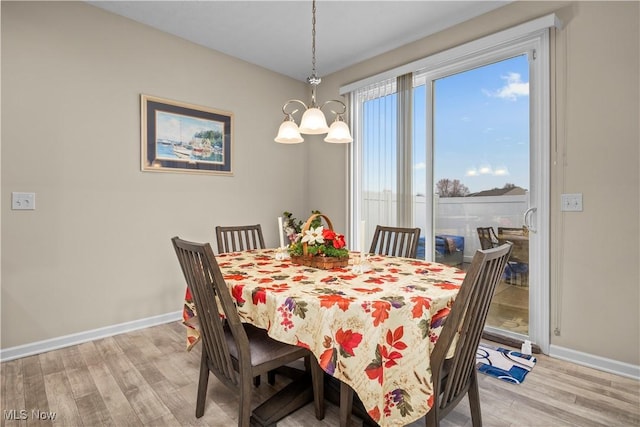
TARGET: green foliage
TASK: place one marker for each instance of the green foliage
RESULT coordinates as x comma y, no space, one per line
291,221
313,250
215,136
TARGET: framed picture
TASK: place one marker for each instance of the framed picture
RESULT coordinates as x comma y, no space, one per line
180,137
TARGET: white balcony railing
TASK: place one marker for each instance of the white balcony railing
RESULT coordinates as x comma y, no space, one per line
458,216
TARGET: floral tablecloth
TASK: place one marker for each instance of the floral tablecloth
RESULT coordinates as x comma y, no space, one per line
374,331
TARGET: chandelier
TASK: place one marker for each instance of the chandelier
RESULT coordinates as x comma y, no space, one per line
313,121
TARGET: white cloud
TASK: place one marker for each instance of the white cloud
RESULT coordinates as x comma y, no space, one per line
513,88
420,166
501,171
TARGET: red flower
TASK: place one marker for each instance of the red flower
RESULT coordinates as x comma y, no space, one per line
328,234
338,241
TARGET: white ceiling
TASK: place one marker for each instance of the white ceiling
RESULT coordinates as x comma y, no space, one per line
277,34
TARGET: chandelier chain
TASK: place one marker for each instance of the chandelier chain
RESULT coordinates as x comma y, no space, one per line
313,38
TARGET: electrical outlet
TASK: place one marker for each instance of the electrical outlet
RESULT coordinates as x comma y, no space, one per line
23,201
571,202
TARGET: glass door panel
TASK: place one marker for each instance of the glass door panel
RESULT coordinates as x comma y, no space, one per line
481,175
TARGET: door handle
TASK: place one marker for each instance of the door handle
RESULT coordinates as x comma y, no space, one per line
527,219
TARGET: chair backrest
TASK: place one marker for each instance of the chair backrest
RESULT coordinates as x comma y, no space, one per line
488,238
463,328
239,238
395,241
212,297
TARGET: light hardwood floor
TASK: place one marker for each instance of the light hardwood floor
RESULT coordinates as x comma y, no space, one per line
147,378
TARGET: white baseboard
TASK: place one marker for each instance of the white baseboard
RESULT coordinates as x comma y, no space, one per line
585,359
81,337
596,362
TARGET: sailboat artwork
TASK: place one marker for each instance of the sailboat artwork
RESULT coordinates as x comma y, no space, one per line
190,139
184,138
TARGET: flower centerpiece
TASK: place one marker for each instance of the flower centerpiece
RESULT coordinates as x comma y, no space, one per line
316,245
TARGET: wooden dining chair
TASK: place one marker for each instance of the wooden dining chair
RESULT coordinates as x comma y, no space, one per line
395,241
233,351
455,377
239,238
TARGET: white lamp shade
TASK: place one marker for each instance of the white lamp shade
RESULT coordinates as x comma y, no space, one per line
288,133
339,133
313,122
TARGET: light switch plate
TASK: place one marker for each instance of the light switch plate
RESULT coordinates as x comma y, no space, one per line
23,201
571,202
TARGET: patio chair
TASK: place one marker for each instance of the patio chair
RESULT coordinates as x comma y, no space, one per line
488,238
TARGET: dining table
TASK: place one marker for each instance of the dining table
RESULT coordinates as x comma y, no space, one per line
371,324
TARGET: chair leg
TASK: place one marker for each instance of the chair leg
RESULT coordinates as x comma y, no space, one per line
256,381
431,418
317,379
474,401
203,383
512,273
346,404
271,377
244,412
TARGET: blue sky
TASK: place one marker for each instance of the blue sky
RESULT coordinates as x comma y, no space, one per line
176,127
481,129
482,120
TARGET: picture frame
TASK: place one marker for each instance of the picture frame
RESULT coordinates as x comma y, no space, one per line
185,138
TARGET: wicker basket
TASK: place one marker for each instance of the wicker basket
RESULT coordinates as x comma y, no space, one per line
318,261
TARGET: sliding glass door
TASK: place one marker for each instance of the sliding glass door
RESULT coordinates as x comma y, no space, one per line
459,145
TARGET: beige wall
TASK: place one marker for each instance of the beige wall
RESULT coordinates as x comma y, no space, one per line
594,256
96,251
